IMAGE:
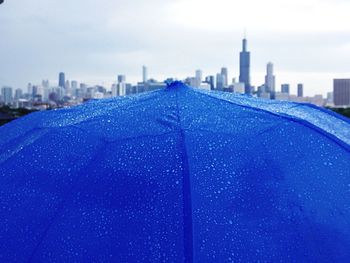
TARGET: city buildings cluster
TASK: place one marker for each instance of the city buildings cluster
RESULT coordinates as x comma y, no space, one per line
68,93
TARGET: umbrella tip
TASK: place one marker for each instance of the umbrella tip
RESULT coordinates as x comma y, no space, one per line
175,84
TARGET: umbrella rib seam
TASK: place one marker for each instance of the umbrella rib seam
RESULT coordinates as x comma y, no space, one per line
187,202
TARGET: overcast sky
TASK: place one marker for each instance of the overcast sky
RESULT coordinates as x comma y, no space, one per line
94,40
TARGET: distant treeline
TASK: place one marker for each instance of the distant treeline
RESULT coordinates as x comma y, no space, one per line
342,111
7,114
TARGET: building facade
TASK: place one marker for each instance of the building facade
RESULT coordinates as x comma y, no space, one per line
300,90
270,79
7,95
285,88
224,72
61,80
244,67
144,74
341,92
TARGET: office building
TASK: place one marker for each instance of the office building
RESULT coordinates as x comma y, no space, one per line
220,81
211,81
341,92
6,94
121,78
74,87
144,74
300,90
45,83
224,73
18,94
61,80
29,88
330,98
270,79
198,78
244,67
285,88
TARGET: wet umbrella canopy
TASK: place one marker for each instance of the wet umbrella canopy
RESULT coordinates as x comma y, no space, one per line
176,175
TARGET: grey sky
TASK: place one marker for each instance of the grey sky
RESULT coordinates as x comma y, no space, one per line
94,40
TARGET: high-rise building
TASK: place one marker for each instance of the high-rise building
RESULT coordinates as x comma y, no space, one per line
45,83
6,94
61,80
82,90
220,81
244,67
121,78
18,94
224,72
211,81
67,85
341,92
270,79
300,90
330,98
74,87
30,88
198,78
114,90
285,88
120,88
144,74
74,84
35,91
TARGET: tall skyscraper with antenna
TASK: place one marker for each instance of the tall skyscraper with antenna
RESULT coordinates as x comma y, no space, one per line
244,67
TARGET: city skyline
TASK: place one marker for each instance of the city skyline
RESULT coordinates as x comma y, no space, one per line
302,40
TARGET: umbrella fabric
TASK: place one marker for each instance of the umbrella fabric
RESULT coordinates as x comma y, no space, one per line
176,175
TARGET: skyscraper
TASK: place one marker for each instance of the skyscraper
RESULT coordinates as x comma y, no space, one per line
144,74
74,87
18,94
300,90
67,85
220,79
7,96
61,80
285,88
198,78
341,92
121,86
211,81
244,67
29,88
45,83
121,78
270,79
224,72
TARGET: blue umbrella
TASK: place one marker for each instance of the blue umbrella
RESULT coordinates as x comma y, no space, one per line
176,175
